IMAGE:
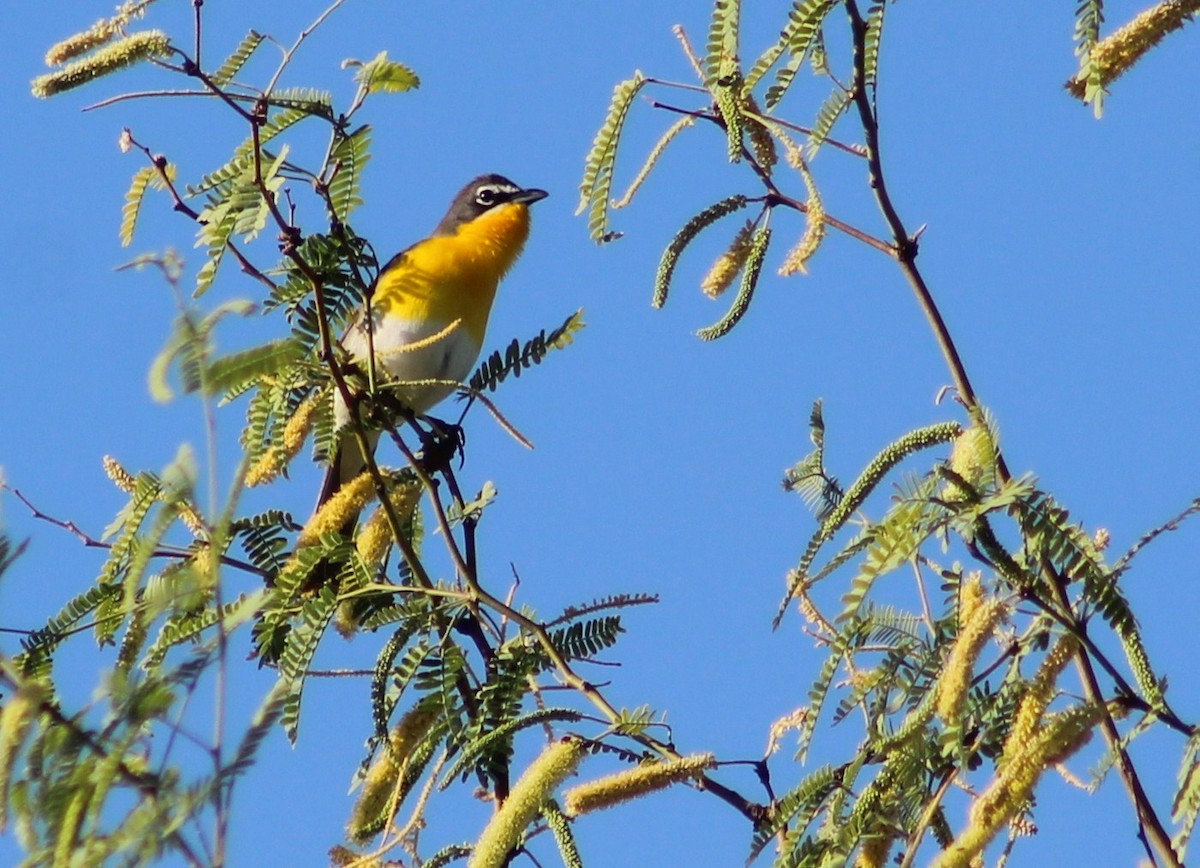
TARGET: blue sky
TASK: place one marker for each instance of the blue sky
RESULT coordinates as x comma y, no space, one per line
1061,249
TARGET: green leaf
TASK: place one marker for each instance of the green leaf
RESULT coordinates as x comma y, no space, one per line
804,33
234,63
1186,805
298,651
857,493
381,75
828,114
233,371
871,40
133,202
595,190
189,626
721,59
502,734
347,159
796,809
770,56
517,357
264,718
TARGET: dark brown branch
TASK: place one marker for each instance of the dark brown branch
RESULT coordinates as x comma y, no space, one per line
1151,827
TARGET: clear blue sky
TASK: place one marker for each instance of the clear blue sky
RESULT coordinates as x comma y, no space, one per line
1061,249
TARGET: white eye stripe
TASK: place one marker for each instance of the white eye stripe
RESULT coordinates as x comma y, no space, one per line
489,194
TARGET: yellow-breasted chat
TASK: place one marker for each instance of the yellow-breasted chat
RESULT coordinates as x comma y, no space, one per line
430,304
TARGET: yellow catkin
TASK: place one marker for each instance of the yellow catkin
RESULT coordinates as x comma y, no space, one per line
970,595
814,217
272,462
380,799
375,538
121,477
973,457
96,35
18,712
525,802
781,727
1061,736
652,160
874,852
117,55
339,509
633,783
729,264
266,468
796,262
956,675
1037,698
1114,55
81,43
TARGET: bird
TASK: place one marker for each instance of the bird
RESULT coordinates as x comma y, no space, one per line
429,307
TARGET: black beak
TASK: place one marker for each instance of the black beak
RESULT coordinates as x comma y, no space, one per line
528,197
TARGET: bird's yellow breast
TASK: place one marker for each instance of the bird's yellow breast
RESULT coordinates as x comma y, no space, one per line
449,277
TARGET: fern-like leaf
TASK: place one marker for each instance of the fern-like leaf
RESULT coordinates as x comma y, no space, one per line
185,627
383,700
722,47
312,102
517,357
1089,16
501,735
1186,805
349,155
298,653
584,640
857,493
831,110
894,541
133,202
771,55
380,75
237,369
804,32
871,40
234,63
264,719
595,189
797,809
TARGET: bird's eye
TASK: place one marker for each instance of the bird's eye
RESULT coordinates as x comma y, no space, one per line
486,196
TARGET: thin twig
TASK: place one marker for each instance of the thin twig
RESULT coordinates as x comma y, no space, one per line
172,552
779,197
304,34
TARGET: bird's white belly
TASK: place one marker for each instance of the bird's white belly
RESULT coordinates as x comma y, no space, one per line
449,358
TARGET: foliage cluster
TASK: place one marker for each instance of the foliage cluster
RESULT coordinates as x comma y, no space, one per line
960,681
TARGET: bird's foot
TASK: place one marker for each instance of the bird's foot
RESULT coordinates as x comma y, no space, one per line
440,442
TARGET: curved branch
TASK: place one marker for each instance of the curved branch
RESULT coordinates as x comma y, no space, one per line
1152,830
